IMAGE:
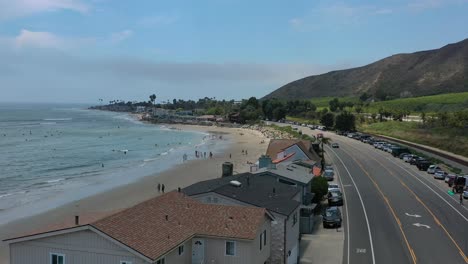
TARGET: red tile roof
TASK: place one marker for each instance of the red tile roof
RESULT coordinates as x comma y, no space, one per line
146,229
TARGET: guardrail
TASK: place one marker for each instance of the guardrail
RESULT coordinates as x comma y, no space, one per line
421,147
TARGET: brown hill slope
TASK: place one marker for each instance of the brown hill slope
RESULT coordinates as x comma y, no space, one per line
421,73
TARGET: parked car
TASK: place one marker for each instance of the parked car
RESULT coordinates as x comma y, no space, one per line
332,217
415,160
403,154
459,184
333,186
432,169
423,165
408,158
465,194
440,175
329,174
449,179
399,150
335,198
335,145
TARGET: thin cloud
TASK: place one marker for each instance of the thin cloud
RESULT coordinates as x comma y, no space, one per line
27,39
10,9
121,36
422,5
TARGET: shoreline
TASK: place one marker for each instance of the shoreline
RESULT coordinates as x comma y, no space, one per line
125,196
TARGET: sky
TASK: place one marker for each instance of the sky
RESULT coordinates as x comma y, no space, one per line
83,50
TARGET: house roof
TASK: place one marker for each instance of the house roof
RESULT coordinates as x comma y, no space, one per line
291,171
278,145
255,190
156,226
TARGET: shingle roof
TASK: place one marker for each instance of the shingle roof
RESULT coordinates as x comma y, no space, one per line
278,145
256,190
145,228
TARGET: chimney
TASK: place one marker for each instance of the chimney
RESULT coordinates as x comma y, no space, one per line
167,217
77,220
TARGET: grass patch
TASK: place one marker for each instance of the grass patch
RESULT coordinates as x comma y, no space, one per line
430,104
445,138
303,120
294,133
322,102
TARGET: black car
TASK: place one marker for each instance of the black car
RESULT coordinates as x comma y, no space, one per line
335,198
423,165
332,217
415,160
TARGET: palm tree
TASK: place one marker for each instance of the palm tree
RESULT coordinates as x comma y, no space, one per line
153,98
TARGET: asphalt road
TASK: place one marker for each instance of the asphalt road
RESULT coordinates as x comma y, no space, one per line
394,213
411,217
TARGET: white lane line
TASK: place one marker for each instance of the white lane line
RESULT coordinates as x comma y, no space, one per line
347,216
362,204
416,177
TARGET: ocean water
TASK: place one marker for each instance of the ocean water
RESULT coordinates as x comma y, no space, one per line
54,154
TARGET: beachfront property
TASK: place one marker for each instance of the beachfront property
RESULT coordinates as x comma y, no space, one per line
281,200
284,150
171,228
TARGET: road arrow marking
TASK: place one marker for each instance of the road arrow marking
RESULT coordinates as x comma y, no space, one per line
419,225
415,215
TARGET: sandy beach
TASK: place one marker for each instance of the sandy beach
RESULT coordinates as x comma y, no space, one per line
126,196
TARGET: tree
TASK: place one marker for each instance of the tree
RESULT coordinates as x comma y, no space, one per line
153,98
319,187
345,122
364,97
328,120
334,104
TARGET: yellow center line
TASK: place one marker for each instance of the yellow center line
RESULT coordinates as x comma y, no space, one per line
465,258
387,201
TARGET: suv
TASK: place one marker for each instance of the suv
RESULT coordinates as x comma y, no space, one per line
432,169
332,217
423,165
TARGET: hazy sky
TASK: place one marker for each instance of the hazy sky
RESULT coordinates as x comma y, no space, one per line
82,50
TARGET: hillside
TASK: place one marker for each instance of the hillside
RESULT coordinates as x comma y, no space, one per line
443,70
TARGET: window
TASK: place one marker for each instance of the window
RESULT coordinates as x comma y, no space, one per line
181,250
230,248
264,237
125,262
215,199
161,261
57,258
208,199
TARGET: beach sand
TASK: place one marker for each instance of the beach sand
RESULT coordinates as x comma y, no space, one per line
126,196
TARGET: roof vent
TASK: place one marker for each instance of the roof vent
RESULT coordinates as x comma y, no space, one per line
230,218
167,217
289,169
235,183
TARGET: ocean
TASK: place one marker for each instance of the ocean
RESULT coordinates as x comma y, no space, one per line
52,154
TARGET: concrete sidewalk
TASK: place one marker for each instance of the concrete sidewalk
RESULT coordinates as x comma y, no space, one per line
323,245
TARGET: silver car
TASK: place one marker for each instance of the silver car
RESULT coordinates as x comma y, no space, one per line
465,194
440,174
432,169
329,175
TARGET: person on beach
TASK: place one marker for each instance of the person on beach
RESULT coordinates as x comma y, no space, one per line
159,187
230,155
204,154
211,155
245,152
162,188
242,152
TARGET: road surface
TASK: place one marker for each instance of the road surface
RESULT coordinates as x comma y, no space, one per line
394,213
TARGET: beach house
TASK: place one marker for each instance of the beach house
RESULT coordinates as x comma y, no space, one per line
284,150
171,228
247,189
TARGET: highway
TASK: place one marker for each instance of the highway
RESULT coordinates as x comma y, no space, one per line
394,213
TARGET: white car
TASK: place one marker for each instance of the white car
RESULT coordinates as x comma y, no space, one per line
440,174
432,169
333,186
465,194
407,158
